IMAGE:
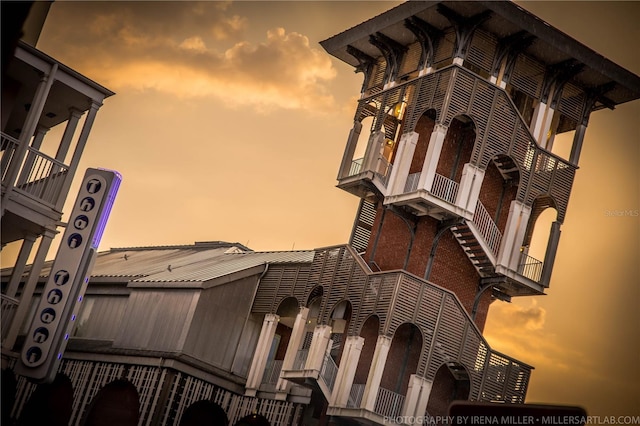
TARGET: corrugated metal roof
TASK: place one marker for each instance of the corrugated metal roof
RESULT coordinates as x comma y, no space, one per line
188,263
214,267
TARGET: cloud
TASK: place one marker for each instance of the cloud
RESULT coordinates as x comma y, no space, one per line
195,50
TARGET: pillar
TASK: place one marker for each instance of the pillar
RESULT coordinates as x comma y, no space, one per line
318,348
349,152
346,371
295,341
259,362
69,130
509,254
375,373
433,156
576,148
21,262
29,287
402,163
77,154
550,254
374,148
470,184
415,403
538,120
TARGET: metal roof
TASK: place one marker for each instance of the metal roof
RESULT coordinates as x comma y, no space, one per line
214,267
551,46
189,263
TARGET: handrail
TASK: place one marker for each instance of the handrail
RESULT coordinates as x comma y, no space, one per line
356,166
412,182
40,176
444,188
300,360
388,403
487,228
329,371
530,267
355,395
272,372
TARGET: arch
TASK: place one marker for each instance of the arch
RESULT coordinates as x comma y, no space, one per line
50,404
315,293
288,310
451,382
403,358
499,188
370,331
253,420
340,320
204,413
424,127
457,147
117,403
540,204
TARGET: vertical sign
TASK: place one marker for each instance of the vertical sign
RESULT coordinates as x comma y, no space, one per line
54,318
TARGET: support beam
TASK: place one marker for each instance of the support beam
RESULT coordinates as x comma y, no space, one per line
375,373
295,341
346,371
259,361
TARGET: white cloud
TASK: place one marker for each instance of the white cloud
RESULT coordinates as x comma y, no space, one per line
194,50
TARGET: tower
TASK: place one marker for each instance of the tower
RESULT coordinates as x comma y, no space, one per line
469,126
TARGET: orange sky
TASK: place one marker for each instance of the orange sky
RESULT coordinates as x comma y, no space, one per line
229,123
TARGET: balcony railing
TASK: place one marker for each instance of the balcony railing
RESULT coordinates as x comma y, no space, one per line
329,371
355,395
39,175
7,310
412,182
300,360
272,372
444,188
356,166
487,228
388,403
530,267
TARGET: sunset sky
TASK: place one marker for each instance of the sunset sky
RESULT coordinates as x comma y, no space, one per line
229,123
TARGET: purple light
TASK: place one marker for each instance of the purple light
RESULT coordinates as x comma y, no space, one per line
79,298
108,204
66,336
60,356
73,317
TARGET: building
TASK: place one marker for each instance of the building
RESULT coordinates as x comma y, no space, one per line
452,156
38,166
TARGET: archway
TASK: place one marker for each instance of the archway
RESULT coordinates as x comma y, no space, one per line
117,403
340,318
50,404
204,413
451,383
402,360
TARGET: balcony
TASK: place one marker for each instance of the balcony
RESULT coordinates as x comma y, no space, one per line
439,201
365,181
